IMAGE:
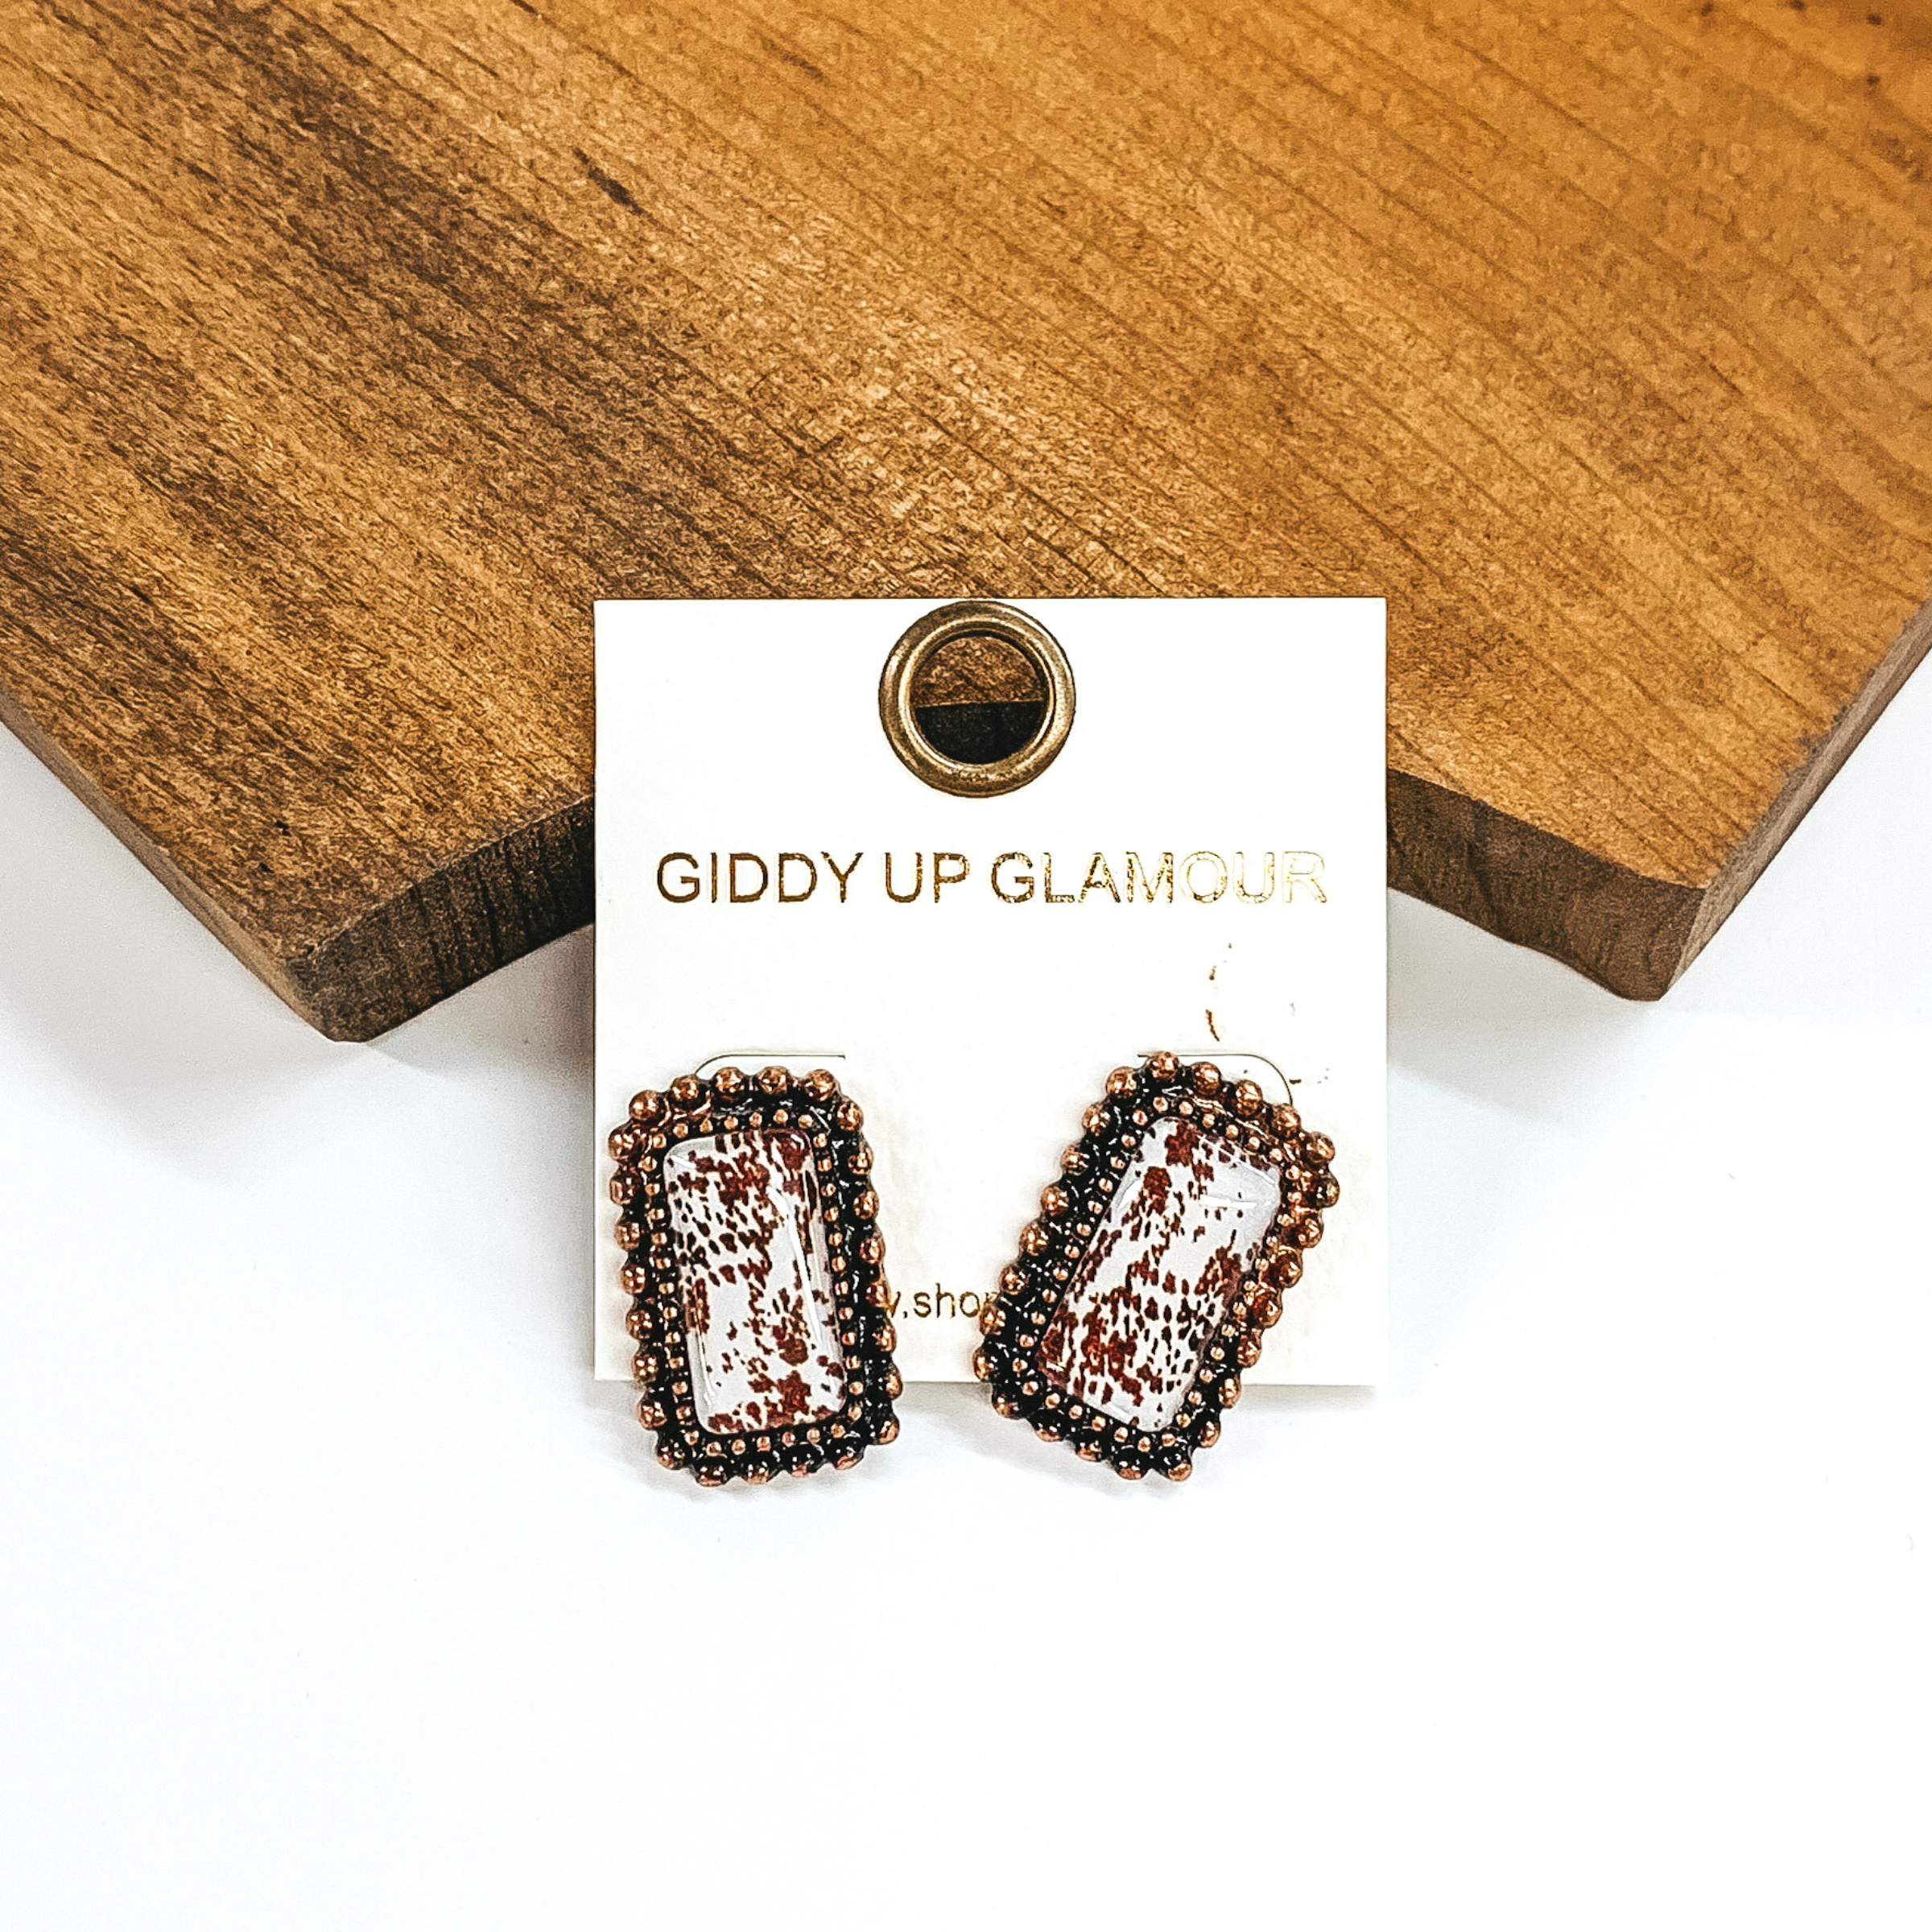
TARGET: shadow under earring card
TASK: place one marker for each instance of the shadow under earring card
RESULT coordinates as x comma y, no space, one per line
1199,868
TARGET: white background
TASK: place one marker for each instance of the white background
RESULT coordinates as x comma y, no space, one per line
336,1594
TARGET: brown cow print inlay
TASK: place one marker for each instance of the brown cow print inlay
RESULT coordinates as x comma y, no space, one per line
1158,1260
754,1260
751,1266
1188,1219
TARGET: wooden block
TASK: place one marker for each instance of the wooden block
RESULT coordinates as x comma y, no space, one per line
350,355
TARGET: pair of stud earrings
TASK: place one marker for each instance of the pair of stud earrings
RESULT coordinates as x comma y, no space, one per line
759,1305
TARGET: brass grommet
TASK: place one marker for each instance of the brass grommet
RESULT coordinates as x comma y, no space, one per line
974,618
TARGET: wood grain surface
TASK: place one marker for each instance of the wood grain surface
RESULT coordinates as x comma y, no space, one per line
349,352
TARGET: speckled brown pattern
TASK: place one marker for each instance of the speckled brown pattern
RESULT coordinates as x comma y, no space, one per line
752,1263
1158,1260
749,1226
1166,1263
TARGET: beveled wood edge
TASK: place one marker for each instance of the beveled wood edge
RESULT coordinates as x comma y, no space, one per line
1634,935
1806,785
1627,932
490,906
493,904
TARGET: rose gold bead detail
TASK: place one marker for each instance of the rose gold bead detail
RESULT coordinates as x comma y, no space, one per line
1163,1066
647,1106
1284,1120
1035,1239
1309,1231
1318,1148
895,1386
1094,1119
982,1369
864,1203
1204,1077
650,1412
1073,1160
873,1249
1011,1280
622,1187
728,1080
888,1429
1055,1199
629,1234
992,1317
774,1080
859,1160
851,1116
686,1090
1265,1310
1231,1391
820,1084
1121,1081
1128,1472
1247,1099
888,1338
1247,1350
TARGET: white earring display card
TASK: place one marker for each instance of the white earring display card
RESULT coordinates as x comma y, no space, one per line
1189,858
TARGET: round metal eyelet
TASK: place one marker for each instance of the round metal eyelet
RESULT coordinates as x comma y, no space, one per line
974,618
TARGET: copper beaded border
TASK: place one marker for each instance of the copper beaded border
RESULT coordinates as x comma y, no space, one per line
732,1101
1072,1210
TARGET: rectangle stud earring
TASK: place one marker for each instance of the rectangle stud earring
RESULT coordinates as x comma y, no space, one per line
758,1299
1159,1258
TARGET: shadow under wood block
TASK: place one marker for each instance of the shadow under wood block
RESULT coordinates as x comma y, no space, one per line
348,361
